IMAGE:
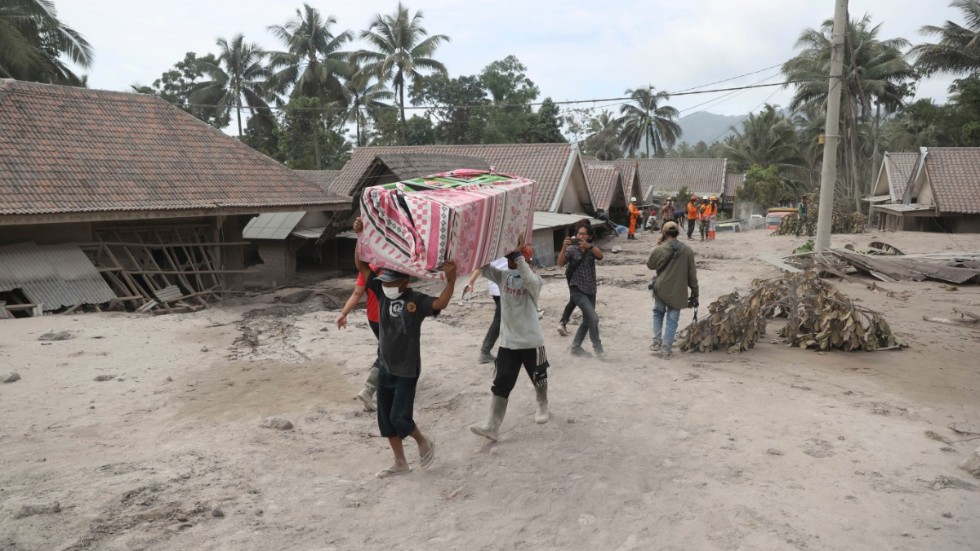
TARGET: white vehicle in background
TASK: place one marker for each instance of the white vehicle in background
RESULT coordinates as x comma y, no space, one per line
757,221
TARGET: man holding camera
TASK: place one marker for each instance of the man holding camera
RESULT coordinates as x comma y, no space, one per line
676,272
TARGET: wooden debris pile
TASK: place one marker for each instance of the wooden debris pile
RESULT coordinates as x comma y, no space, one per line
888,263
817,316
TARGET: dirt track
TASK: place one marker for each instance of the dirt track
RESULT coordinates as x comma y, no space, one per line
776,448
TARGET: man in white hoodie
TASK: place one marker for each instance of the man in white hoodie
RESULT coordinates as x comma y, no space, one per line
521,339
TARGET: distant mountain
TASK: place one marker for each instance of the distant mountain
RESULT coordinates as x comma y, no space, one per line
707,127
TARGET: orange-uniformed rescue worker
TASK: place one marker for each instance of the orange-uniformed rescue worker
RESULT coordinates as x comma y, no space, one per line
704,217
634,213
692,215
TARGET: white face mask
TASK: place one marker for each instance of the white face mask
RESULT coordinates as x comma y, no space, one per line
392,292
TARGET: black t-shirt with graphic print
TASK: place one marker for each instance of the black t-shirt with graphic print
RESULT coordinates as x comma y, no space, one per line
400,338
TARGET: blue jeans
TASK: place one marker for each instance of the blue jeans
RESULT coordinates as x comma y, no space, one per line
590,320
673,315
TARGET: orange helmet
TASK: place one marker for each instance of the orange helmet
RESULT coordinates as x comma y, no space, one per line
713,198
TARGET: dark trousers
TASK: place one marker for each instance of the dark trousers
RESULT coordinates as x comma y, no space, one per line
566,314
690,227
590,320
508,366
494,331
376,327
396,402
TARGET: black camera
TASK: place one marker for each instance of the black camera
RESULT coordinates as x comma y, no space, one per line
575,241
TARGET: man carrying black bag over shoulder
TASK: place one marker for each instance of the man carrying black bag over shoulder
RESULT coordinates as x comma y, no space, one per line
676,272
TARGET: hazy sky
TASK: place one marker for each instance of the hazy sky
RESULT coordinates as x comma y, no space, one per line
574,49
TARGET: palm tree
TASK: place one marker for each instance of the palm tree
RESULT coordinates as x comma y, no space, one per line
402,50
33,40
314,61
237,75
875,79
603,138
647,121
766,139
958,49
363,92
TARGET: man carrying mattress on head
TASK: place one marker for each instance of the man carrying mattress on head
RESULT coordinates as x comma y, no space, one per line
399,346
521,339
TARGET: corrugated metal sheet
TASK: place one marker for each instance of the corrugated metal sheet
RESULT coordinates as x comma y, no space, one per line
544,220
309,233
272,225
52,275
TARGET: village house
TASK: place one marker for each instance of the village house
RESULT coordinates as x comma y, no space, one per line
123,199
663,178
613,183
941,192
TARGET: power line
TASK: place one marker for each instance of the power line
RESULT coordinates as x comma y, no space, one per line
732,78
530,104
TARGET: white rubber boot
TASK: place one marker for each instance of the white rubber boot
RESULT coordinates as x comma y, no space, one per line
542,415
498,408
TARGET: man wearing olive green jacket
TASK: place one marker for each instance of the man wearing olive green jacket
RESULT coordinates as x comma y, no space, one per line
676,272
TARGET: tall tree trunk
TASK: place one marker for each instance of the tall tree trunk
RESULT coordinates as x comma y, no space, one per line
855,171
401,104
316,140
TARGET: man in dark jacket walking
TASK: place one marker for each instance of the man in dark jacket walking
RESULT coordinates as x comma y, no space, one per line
676,273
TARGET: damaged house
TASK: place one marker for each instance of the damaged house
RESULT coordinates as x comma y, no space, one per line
121,200
937,189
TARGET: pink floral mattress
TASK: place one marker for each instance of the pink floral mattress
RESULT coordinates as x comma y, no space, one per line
468,216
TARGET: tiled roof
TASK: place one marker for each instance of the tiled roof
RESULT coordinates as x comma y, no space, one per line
603,177
954,173
666,176
628,172
406,166
899,167
543,163
733,182
74,150
322,178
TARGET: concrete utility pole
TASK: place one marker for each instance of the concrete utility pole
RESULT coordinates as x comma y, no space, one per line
828,175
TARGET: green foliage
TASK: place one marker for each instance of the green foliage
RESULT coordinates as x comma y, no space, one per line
238,79
511,92
648,120
420,131
176,85
301,126
33,42
767,138
457,121
401,51
765,187
314,62
260,137
602,140
544,126
926,124
958,48
876,81
804,248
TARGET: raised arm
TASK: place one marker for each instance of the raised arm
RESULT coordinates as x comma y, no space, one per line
442,301
361,266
